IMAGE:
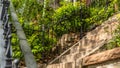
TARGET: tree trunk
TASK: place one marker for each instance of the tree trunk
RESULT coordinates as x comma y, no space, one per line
44,8
116,7
74,1
57,3
88,2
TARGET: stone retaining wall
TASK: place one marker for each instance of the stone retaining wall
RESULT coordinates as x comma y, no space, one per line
95,38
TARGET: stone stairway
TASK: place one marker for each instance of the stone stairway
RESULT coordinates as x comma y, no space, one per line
88,45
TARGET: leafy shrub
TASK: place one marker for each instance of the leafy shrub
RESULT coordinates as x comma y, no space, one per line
65,19
68,18
115,42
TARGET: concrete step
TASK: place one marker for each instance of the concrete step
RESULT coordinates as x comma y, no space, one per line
62,65
71,57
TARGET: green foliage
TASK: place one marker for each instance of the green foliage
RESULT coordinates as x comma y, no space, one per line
31,20
115,42
67,18
98,15
16,49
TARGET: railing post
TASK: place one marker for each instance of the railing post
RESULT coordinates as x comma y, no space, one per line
5,3
7,37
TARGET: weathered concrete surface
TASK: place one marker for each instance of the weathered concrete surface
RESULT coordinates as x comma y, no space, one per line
72,65
62,65
2,43
108,64
113,65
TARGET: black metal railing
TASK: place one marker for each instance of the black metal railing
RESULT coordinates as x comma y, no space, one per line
7,35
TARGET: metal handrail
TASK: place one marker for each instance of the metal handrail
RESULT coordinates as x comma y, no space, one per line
64,53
